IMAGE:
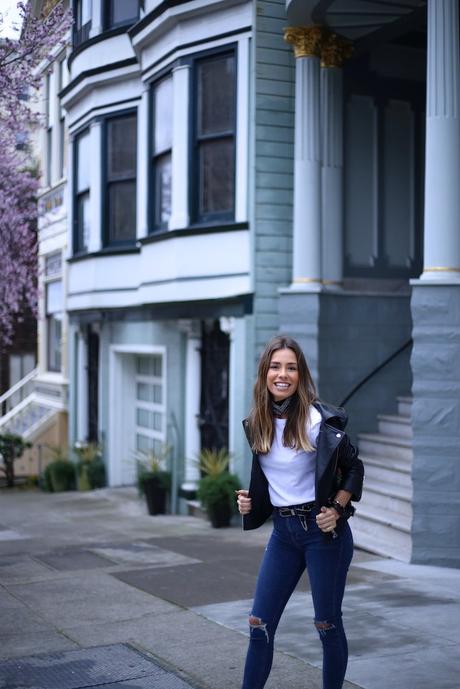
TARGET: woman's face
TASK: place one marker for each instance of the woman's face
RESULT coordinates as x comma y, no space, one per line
283,374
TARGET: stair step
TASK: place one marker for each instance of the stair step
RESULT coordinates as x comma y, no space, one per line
396,426
379,445
395,520
380,535
399,465
380,502
380,542
388,475
386,488
405,406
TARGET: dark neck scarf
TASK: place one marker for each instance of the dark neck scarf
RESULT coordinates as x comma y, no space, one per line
280,408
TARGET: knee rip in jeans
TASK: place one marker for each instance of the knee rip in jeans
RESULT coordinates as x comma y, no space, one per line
323,627
258,628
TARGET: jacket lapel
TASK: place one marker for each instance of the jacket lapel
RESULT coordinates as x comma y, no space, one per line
329,439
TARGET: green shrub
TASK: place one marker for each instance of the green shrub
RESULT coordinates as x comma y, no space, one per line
95,471
45,482
62,474
216,491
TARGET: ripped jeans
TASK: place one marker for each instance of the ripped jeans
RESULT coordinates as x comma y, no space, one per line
290,550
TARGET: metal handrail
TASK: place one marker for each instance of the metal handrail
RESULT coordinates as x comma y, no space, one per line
376,370
17,386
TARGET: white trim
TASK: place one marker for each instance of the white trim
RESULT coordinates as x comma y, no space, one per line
242,130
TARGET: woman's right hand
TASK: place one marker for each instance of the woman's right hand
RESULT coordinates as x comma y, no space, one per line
244,501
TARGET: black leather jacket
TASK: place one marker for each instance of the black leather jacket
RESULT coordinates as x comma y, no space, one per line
338,467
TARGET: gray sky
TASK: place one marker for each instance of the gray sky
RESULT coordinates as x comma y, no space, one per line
8,9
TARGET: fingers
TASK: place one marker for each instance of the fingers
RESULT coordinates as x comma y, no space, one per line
244,501
327,519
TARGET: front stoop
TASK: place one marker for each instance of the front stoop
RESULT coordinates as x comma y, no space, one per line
383,520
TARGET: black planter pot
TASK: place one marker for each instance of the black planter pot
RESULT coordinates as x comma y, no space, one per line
220,515
155,495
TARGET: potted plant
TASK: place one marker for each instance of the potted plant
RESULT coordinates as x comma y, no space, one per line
153,480
90,466
60,473
216,490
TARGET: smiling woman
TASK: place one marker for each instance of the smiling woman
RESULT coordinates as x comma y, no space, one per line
305,473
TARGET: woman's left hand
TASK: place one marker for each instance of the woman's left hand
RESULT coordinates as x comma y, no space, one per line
327,519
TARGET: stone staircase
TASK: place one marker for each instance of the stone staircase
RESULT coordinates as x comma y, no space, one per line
383,519
23,411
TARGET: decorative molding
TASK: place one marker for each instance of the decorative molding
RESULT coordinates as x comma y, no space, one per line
307,40
335,50
305,281
440,269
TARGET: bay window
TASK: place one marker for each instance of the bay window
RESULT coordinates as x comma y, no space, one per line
161,153
214,137
82,21
82,192
54,308
120,180
120,12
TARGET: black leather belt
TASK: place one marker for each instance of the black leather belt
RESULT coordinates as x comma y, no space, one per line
296,510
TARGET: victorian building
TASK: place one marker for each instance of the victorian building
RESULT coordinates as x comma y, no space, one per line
238,168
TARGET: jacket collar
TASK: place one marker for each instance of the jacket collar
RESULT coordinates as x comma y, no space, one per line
333,416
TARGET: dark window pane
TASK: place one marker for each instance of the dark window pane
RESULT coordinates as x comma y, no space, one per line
216,85
48,156
83,12
163,116
83,154
83,227
122,147
162,190
54,335
216,176
122,211
124,11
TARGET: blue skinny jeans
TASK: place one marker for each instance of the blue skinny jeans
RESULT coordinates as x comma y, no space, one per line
290,550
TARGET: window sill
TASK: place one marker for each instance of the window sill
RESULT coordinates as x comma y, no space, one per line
192,230
103,36
108,251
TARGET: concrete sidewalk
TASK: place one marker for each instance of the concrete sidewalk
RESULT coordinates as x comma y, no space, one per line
92,574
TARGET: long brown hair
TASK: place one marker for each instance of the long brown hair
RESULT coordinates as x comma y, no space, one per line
261,425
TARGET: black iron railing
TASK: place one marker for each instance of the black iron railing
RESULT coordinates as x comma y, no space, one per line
378,368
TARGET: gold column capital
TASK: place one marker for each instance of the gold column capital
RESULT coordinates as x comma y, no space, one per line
335,50
307,40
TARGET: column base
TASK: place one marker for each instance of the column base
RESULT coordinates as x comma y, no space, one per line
436,422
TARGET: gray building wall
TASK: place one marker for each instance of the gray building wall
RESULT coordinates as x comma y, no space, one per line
274,83
436,424
345,336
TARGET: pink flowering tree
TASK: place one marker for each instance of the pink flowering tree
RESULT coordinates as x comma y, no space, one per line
20,80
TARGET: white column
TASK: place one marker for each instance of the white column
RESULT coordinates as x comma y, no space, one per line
442,166
192,405
55,117
95,234
333,53
307,163
82,388
242,130
179,157
143,136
